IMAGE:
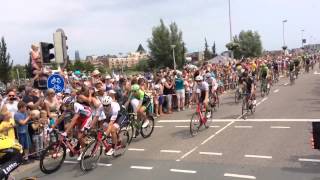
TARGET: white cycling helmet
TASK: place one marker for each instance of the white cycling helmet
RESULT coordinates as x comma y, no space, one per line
106,100
199,78
68,100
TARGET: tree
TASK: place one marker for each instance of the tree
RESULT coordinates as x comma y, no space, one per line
78,65
88,67
160,46
143,65
250,44
214,53
5,63
18,68
207,53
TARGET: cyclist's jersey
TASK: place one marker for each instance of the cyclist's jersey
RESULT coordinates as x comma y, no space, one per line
296,62
291,66
7,143
139,95
114,111
202,87
249,83
264,72
85,113
275,66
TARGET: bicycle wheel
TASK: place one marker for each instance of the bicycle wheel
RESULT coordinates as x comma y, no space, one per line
243,107
130,130
262,90
91,155
195,124
52,158
236,96
147,131
123,143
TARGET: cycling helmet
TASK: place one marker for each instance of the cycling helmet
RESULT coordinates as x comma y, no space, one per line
199,78
208,75
68,100
135,87
106,100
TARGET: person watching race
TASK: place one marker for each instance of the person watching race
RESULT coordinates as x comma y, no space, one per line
10,156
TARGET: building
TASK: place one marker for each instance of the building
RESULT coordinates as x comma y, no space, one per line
77,55
126,61
196,56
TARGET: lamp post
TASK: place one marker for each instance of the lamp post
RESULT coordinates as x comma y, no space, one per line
302,31
230,26
174,57
283,23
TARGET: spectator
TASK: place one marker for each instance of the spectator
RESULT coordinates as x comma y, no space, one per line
7,124
21,119
51,104
37,127
168,90
12,102
180,92
31,98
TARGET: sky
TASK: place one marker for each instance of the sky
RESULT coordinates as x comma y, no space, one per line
98,27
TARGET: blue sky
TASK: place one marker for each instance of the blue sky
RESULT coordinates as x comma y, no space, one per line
112,26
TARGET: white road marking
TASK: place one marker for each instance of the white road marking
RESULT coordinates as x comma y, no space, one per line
285,84
174,121
242,126
141,167
316,73
158,126
77,162
309,160
281,76
170,151
277,90
183,171
261,120
106,165
214,126
280,127
186,154
216,133
258,156
239,176
71,162
135,149
182,126
211,153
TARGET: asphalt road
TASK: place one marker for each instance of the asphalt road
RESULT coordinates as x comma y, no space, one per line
272,144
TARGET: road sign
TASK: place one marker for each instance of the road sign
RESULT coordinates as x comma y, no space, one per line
56,82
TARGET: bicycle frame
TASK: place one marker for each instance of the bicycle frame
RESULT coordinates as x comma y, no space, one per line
203,119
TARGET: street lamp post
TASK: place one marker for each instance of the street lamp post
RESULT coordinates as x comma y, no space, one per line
230,26
284,42
302,31
174,57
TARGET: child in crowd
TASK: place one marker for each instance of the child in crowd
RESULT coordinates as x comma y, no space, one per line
38,129
7,124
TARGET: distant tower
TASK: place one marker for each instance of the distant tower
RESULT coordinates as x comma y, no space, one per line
77,55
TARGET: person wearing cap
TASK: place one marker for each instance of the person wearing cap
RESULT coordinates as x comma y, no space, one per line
95,76
108,83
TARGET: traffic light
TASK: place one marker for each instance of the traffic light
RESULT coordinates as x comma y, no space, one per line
60,46
46,55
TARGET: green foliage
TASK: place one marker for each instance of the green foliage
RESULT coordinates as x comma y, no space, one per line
88,67
18,68
250,44
5,63
102,70
207,53
160,46
143,65
214,53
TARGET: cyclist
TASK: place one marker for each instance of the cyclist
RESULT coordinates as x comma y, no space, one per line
111,109
264,74
10,156
296,66
275,67
291,68
213,85
202,90
249,85
139,101
82,117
